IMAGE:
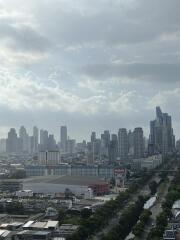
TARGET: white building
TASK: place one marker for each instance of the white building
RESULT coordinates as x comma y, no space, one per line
150,162
24,193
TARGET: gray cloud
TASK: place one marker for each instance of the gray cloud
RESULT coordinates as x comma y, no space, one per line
143,21
163,72
87,42
23,38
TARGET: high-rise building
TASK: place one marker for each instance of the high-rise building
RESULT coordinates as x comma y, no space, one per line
122,144
178,144
24,138
51,143
138,143
3,145
63,137
35,139
71,145
161,139
12,142
105,141
43,140
93,137
113,148
130,143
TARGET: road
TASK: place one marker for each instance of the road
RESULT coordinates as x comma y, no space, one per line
156,209
115,220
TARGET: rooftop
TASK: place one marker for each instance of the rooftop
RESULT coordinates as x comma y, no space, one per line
70,180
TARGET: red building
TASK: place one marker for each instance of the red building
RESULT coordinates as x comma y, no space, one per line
100,189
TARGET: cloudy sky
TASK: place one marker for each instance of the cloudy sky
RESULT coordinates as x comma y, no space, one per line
89,64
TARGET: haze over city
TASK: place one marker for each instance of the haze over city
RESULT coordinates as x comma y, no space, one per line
89,119
105,65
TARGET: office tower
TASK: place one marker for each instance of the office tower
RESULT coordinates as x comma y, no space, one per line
130,143
105,141
63,138
138,143
35,139
30,144
161,139
93,136
122,144
106,137
3,145
71,145
94,148
24,138
81,147
12,142
43,140
51,143
113,148
178,145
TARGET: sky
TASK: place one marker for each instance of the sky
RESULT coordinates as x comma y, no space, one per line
89,64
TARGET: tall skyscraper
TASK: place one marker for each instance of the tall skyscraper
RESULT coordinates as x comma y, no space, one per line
113,148
43,140
35,139
130,143
105,142
123,144
63,137
12,143
93,136
161,139
24,137
138,143
51,143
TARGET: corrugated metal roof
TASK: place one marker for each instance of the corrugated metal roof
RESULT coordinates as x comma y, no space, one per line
39,225
51,224
28,224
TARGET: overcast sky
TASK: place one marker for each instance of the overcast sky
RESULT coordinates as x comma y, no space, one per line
89,64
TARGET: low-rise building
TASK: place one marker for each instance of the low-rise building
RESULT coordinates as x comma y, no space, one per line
24,193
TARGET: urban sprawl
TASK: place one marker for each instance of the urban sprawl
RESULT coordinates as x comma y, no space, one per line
118,186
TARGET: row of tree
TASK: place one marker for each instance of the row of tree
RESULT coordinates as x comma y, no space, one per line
127,220
143,219
162,219
12,208
102,216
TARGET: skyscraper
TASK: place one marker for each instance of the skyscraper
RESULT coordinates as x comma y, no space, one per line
130,142
51,143
113,148
35,139
12,141
123,144
161,136
93,137
105,141
24,138
138,143
63,137
43,140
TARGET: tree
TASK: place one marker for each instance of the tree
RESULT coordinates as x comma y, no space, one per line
145,215
86,213
138,229
153,187
68,193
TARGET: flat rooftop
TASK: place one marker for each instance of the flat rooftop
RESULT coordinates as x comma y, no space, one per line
69,180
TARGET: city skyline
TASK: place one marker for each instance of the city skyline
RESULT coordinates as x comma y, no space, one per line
57,133
106,64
